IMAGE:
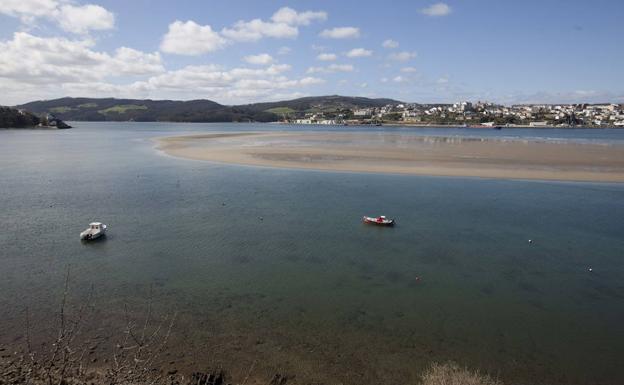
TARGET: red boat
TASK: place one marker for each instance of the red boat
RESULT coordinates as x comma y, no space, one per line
380,221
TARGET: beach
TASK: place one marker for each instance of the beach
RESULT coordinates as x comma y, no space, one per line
396,153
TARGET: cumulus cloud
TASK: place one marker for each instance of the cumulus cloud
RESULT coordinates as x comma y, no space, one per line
437,9
331,68
359,52
283,24
256,29
81,19
289,16
26,8
74,67
72,18
190,38
234,85
260,59
389,43
60,60
409,70
327,57
341,33
402,56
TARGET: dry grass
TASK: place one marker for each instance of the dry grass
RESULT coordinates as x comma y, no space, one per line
453,374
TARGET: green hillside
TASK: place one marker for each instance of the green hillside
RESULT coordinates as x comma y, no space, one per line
111,109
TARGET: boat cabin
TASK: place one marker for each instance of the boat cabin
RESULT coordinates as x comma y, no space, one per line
95,226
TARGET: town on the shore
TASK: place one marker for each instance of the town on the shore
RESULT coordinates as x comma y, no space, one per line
468,114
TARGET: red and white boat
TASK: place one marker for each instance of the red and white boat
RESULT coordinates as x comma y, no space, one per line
380,221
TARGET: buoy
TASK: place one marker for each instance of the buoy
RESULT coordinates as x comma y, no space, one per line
590,269
530,241
261,218
417,279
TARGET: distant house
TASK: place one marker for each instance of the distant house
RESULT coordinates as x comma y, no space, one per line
363,112
538,124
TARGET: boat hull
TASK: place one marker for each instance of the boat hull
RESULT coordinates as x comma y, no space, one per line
91,234
378,221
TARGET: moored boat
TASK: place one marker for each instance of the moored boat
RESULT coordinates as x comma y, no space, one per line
380,220
94,231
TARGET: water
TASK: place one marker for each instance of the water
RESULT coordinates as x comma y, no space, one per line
274,266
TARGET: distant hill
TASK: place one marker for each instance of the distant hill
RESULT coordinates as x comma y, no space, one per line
14,118
111,109
320,103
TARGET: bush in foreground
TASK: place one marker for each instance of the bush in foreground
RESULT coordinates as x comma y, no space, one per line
452,374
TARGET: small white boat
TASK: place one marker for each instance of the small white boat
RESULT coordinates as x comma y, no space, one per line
94,231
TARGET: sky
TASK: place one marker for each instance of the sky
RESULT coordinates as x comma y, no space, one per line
236,52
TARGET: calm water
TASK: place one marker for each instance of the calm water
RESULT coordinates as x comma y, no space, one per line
274,266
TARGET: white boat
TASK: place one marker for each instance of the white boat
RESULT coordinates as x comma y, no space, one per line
94,231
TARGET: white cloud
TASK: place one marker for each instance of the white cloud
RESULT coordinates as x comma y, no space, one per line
284,51
283,24
190,38
409,70
363,85
308,81
398,79
128,61
437,9
341,33
331,68
327,57
402,56
390,43
359,52
78,19
81,19
60,60
260,59
28,9
235,85
291,17
256,29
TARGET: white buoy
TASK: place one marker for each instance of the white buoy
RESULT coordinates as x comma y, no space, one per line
590,269
530,241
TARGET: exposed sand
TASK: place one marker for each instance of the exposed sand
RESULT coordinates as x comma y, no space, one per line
406,154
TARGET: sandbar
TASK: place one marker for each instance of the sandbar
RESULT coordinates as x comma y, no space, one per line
407,154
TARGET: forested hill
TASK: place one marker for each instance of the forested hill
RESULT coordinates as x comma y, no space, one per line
14,118
110,109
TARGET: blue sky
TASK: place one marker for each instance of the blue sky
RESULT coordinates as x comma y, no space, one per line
248,51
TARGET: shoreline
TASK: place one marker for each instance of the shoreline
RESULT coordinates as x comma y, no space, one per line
411,155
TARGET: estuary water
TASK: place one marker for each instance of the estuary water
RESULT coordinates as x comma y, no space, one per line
272,268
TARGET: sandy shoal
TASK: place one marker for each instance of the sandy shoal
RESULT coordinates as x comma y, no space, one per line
407,154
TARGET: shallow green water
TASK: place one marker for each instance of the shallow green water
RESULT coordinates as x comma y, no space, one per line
274,265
